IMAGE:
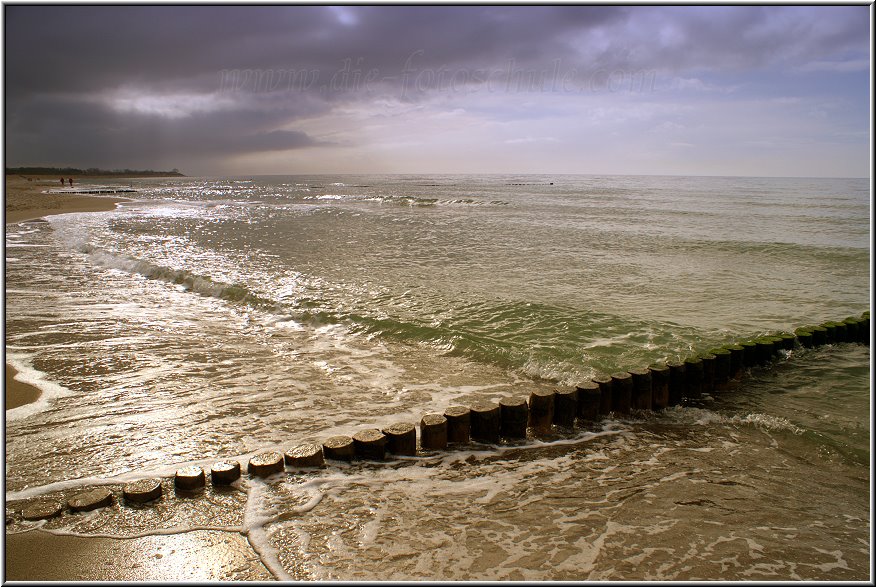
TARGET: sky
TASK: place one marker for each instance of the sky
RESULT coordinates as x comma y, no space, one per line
247,90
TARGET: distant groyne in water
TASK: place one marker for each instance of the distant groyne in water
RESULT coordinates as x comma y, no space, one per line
94,190
654,388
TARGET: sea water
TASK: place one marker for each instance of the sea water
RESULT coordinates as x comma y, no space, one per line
217,318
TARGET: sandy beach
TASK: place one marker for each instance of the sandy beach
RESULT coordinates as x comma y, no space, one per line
40,556
25,199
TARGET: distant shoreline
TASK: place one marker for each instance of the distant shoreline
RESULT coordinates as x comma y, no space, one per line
90,172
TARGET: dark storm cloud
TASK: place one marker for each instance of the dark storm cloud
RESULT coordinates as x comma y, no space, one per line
80,47
77,48
46,128
85,83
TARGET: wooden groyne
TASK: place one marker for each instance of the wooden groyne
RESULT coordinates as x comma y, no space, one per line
653,388
94,190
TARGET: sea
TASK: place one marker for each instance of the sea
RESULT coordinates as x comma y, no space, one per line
216,318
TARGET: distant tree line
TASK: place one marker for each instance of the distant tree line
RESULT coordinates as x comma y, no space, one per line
90,171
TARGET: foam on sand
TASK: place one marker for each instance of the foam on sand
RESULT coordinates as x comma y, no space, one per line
46,390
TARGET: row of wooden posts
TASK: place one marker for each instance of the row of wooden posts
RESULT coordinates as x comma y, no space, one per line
652,388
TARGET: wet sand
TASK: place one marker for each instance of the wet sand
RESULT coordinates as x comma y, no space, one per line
18,393
199,555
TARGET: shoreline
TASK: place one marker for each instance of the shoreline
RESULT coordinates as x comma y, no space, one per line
36,555
19,393
25,200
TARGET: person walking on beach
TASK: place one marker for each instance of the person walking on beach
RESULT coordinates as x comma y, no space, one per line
62,182
71,182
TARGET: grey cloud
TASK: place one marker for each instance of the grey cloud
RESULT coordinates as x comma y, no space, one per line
174,48
82,47
747,37
58,58
88,134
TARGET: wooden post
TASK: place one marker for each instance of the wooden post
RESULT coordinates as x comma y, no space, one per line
750,356
764,350
831,332
541,410
514,414
778,343
433,432
676,382
708,360
401,439
41,510
722,367
305,455
588,401
189,479
642,392
659,386
621,392
565,406
605,400
224,472
142,491
693,377
458,424
485,422
842,332
737,360
864,330
788,341
99,497
805,337
819,335
339,448
852,333
370,444
265,464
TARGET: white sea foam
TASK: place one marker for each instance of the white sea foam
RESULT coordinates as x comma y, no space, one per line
766,422
49,390
257,515
170,531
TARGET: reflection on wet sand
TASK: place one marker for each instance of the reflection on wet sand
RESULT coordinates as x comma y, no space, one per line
201,555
